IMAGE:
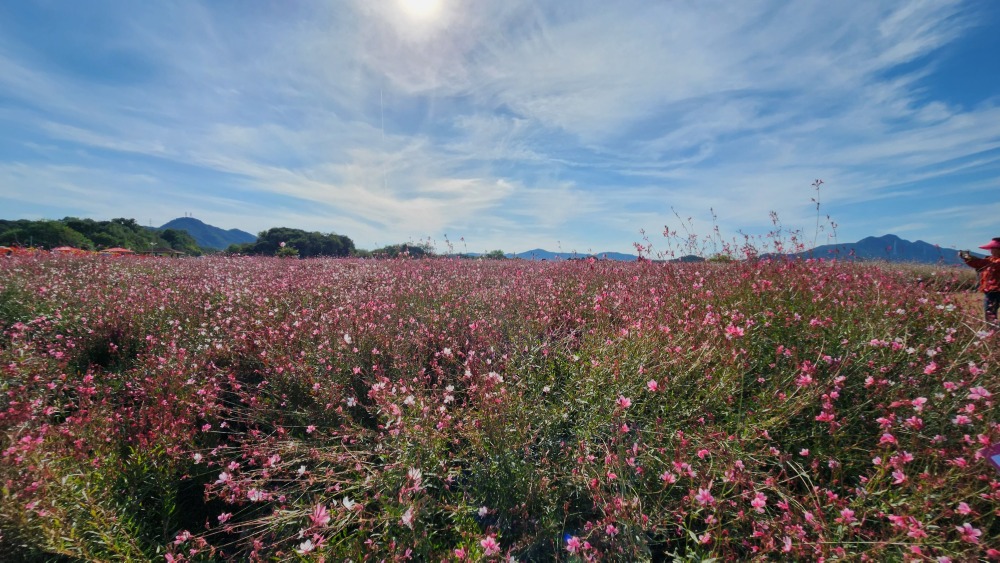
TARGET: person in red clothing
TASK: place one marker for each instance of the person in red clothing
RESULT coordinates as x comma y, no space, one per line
989,277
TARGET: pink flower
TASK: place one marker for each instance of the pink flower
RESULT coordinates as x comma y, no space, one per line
825,417
962,419
611,530
668,477
624,402
460,554
969,534
846,516
310,429
918,403
573,544
407,518
930,368
490,546
887,439
319,516
704,497
759,502
652,385
804,452
898,477
963,509
417,476
977,393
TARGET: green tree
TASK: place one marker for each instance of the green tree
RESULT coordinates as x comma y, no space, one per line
287,252
179,239
308,244
403,249
44,234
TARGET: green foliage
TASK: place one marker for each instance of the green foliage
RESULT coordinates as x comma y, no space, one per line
181,240
287,252
16,305
411,250
495,255
88,234
308,244
125,509
44,234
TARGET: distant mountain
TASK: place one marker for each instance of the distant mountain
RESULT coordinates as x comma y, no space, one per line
208,236
620,256
889,248
542,254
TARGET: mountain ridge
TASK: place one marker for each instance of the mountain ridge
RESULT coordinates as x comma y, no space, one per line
888,247
209,236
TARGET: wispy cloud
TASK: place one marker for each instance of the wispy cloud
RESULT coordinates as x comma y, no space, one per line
509,122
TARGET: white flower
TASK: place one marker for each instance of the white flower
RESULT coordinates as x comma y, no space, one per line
351,401
223,478
349,504
305,547
407,518
347,338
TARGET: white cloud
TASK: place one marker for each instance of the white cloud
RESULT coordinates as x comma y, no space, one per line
511,121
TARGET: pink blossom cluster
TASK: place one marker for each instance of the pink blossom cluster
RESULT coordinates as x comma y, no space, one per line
256,408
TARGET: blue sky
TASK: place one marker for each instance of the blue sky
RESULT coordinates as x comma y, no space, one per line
511,124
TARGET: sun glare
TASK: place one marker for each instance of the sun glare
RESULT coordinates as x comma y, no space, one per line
421,9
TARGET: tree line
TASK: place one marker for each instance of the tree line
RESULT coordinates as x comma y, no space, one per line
284,241
88,234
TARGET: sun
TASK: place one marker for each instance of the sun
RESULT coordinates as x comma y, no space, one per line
421,9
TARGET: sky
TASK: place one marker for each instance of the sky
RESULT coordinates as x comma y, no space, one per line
476,125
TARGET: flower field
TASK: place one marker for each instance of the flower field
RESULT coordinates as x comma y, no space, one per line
256,408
